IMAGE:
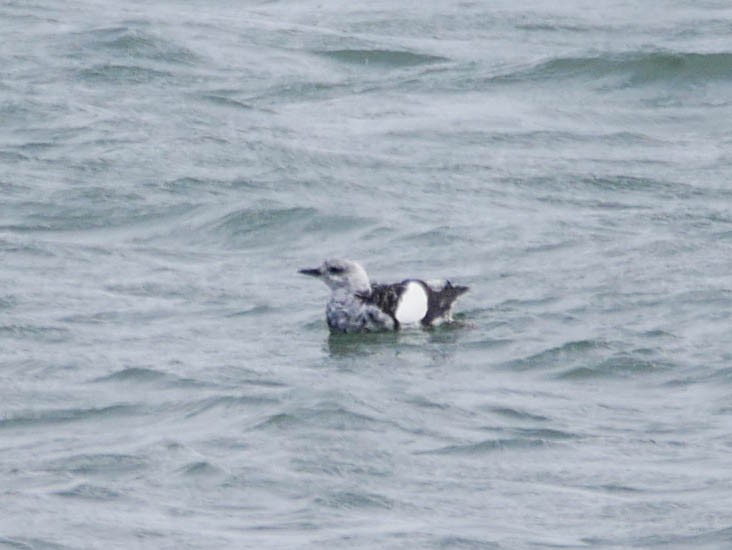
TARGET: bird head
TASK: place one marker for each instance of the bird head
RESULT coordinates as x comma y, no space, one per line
341,275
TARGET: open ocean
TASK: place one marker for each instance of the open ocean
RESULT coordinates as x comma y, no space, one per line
167,380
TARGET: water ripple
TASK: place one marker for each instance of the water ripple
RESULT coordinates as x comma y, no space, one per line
102,464
382,58
61,416
89,491
635,68
346,500
488,446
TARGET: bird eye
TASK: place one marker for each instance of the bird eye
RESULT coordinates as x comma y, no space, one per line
335,270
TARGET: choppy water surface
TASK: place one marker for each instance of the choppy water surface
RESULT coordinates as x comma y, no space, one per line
166,376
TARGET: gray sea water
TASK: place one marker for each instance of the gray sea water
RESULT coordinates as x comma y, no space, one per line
166,377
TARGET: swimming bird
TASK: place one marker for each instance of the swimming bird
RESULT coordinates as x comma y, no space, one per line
357,305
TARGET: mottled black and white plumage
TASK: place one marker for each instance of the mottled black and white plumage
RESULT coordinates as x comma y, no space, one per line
357,305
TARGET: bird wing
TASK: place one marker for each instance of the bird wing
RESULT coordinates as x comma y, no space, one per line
385,297
440,298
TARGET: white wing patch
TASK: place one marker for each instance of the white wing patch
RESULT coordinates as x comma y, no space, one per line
412,306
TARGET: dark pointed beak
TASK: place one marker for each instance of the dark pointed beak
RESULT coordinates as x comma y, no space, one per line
312,272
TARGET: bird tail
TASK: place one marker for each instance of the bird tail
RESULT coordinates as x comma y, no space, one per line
441,302
450,293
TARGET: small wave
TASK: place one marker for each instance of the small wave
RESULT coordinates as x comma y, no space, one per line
28,543
425,403
261,227
354,345
142,375
254,310
129,42
707,539
381,58
150,288
133,373
12,157
37,333
531,138
618,365
256,223
345,500
279,421
624,183
112,73
454,542
516,414
575,350
226,402
104,212
98,464
340,418
614,488
325,415
487,446
545,434
207,186
57,416
89,491
201,468
445,235
223,101
634,68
